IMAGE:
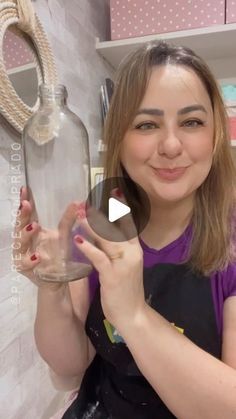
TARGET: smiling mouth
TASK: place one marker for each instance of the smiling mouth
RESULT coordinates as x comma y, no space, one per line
170,174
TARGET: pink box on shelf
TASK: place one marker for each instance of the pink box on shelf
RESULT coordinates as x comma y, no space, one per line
230,11
132,18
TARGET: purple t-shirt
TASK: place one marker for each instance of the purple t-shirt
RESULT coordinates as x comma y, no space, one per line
223,283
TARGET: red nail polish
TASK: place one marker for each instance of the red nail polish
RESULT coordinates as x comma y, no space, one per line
82,205
33,257
79,239
118,193
81,213
29,227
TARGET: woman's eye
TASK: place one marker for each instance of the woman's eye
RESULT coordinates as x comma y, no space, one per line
146,126
193,123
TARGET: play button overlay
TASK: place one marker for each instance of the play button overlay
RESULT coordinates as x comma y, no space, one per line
117,210
118,216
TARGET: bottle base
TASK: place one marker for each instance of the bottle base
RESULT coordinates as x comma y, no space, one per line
70,271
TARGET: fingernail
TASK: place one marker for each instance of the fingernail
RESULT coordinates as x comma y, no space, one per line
33,257
79,239
118,193
82,210
21,206
29,227
81,213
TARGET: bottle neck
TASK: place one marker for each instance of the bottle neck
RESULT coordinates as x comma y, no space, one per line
52,95
53,101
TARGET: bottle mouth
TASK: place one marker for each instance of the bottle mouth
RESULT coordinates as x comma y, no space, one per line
52,90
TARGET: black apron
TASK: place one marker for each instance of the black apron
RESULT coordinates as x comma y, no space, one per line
113,387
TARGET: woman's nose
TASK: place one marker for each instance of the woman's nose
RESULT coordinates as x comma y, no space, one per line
170,145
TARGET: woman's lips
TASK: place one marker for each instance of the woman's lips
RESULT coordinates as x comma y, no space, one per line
170,174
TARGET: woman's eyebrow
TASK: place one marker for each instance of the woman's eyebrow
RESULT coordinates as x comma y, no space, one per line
191,108
150,111
160,112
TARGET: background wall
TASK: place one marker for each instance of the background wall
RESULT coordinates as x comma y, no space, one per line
25,389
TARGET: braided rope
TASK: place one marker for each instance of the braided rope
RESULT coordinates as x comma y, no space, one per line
11,105
26,15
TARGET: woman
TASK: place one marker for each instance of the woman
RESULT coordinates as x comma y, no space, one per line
152,331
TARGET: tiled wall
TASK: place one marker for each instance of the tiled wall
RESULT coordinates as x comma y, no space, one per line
25,389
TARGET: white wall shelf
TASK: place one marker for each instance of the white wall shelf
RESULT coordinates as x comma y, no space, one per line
20,68
216,44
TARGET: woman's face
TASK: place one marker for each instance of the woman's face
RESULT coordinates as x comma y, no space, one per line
168,147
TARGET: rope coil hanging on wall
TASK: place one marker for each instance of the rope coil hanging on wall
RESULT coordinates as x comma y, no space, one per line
21,13
26,15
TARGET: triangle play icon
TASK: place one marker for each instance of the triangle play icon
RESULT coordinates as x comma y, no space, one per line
117,209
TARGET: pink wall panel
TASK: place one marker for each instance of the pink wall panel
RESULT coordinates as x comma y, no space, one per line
230,11
130,18
16,53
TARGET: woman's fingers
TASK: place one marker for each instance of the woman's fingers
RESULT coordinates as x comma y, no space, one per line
102,227
24,228
22,256
96,223
65,227
68,218
99,259
24,215
22,220
27,234
27,262
108,236
23,193
26,194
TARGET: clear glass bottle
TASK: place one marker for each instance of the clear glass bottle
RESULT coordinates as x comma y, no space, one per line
57,169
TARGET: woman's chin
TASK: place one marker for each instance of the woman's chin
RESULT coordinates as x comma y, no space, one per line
170,196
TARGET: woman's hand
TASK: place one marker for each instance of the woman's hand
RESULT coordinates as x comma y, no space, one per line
121,279
24,260
50,244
